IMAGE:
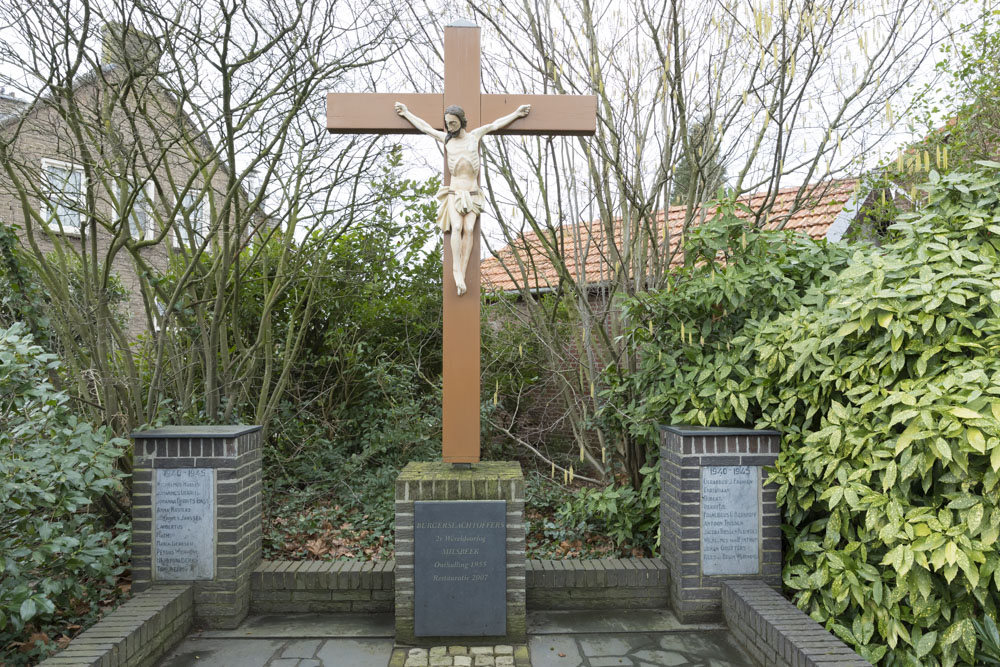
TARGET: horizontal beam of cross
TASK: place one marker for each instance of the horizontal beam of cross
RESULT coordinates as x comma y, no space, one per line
375,113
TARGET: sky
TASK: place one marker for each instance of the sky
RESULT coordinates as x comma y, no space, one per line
417,67
854,154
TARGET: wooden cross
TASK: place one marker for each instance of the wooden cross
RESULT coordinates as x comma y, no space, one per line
374,113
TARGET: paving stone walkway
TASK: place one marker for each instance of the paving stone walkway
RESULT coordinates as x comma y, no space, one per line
556,639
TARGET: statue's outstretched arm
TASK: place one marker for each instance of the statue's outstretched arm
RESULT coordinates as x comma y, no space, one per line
503,122
419,123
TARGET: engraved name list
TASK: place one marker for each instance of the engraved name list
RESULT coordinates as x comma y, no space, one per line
184,524
730,520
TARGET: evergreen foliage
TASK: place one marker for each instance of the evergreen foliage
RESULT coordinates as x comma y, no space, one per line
58,557
885,382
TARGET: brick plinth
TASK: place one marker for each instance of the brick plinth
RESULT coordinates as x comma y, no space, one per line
487,480
233,453
684,451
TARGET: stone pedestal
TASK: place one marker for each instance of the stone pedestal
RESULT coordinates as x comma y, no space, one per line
458,531
196,515
717,520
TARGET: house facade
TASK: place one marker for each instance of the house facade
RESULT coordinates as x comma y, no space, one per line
108,183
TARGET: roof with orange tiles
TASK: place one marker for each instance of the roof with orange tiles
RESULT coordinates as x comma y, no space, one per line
824,210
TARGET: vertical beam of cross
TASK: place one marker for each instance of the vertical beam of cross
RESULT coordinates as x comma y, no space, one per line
460,382
357,113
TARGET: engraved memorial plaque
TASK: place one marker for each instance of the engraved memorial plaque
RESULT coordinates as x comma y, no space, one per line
730,520
460,568
184,524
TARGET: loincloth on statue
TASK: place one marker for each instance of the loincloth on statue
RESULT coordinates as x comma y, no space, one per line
453,205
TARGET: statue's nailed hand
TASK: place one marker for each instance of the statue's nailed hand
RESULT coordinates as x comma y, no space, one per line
400,108
523,110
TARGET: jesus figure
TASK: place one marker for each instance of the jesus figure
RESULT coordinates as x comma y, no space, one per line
461,201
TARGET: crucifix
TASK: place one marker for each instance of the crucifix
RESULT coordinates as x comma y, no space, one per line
377,113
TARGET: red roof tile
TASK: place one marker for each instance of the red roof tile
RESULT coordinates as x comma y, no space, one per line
588,255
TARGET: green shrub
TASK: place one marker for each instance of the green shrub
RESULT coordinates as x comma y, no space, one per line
352,456
885,381
690,370
57,558
734,278
989,642
887,387
630,518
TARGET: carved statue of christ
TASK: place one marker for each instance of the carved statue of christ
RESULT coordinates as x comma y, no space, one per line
460,202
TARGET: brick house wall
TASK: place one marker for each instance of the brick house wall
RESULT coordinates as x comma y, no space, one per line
41,135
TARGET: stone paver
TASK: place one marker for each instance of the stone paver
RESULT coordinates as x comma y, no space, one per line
301,649
621,639
501,655
368,652
707,648
223,653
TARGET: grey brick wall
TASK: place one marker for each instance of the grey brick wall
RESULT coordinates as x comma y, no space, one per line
488,480
234,453
136,634
605,583
776,633
684,451
323,586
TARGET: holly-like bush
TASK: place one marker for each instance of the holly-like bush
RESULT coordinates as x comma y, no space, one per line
57,558
884,378
887,387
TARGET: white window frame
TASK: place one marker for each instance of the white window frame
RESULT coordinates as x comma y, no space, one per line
148,233
200,223
159,314
59,225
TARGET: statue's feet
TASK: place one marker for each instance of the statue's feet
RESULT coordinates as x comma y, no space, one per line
460,284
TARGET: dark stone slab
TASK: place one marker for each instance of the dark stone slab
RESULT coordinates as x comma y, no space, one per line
205,431
460,568
684,429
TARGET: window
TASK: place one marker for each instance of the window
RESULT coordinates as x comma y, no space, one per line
192,218
159,314
65,196
138,209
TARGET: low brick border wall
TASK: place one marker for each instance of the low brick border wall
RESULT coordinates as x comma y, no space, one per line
325,586
280,586
136,634
774,632
605,583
